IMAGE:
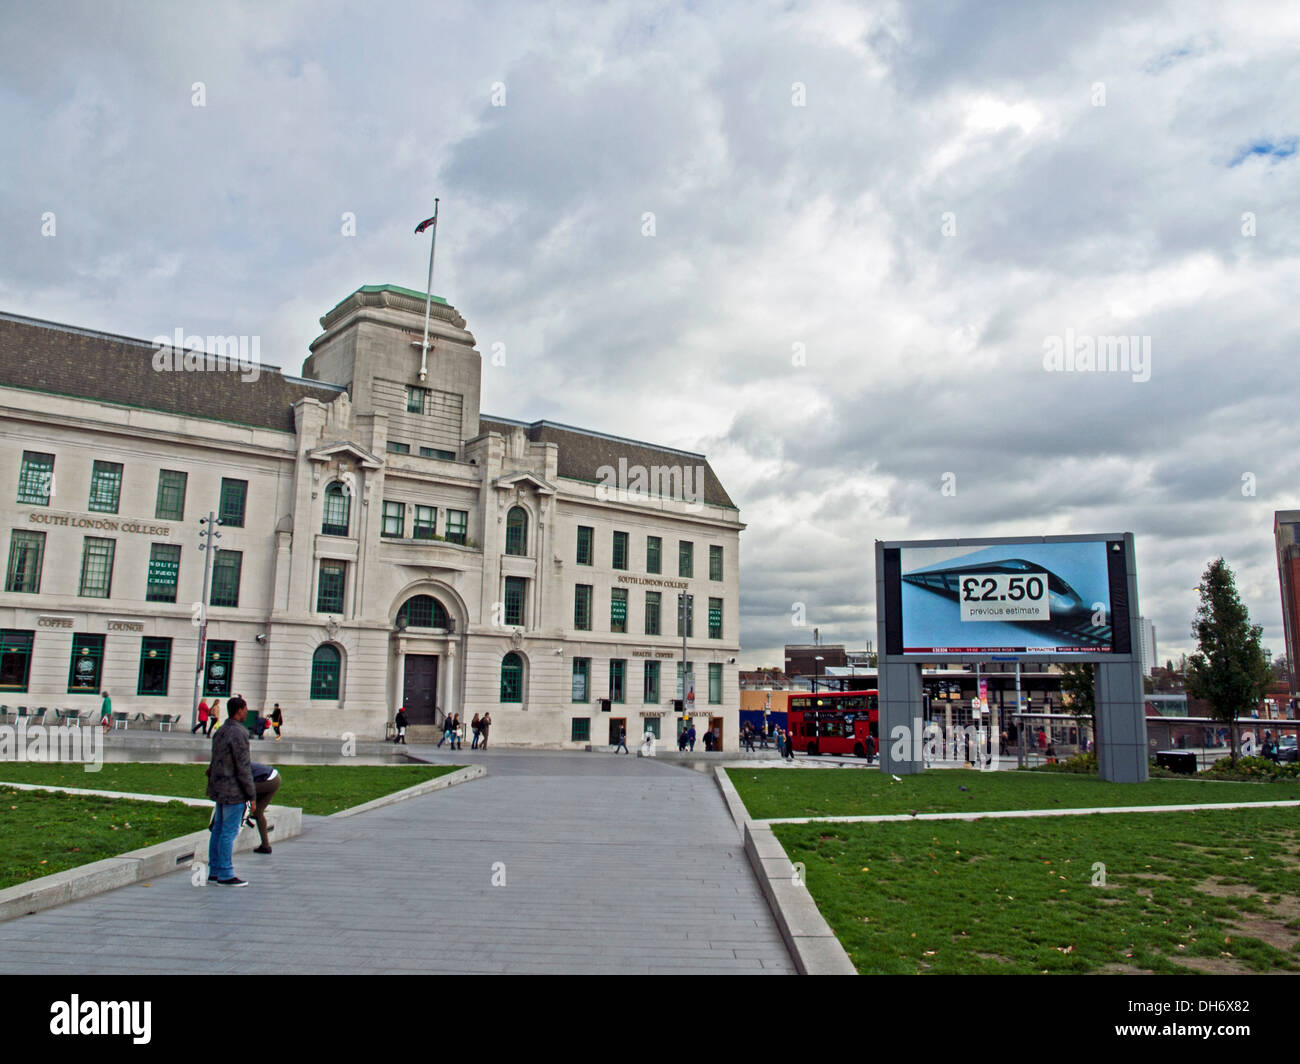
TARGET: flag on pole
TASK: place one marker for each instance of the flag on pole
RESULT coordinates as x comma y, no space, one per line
425,224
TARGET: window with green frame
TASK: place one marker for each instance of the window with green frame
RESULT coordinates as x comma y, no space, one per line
437,452
170,505
651,725
653,605
105,487
326,666
423,611
581,688
715,684
155,665
330,585
650,688
394,525
715,562
164,572
85,664
26,554
218,667
585,536
426,522
97,567
398,448
226,568
685,558
457,526
654,549
715,618
582,607
415,400
338,506
516,589
512,678
580,730
620,550
15,659
618,609
36,479
517,531
234,497
617,680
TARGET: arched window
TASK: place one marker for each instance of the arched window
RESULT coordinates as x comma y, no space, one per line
422,611
325,668
512,678
337,505
517,531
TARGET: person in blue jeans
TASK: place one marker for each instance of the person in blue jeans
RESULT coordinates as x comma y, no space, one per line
231,787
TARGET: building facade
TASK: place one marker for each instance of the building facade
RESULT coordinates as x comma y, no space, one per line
381,541
1286,539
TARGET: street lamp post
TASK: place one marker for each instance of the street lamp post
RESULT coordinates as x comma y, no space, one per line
818,673
207,534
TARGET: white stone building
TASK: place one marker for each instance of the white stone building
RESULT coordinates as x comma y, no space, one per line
382,542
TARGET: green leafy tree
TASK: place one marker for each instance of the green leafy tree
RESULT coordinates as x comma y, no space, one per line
1230,670
1079,682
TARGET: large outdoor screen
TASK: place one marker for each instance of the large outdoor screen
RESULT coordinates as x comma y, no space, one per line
1014,598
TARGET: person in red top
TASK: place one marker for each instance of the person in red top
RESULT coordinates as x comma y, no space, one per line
204,713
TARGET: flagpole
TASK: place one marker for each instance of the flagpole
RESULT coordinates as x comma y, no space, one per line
428,303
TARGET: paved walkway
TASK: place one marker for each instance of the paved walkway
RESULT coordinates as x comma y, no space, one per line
611,864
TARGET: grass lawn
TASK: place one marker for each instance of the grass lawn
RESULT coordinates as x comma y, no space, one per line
317,789
1214,891
46,832
769,793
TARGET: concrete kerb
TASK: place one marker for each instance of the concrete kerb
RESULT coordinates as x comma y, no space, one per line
461,775
22,899
812,944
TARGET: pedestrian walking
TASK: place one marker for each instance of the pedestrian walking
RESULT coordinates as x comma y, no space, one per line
266,781
105,712
203,719
214,716
400,722
788,753
277,719
483,727
690,737
474,725
231,787
622,741
446,729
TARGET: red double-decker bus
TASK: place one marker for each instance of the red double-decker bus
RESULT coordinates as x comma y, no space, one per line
835,722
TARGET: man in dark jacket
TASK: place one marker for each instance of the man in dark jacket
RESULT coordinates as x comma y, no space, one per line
230,785
399,723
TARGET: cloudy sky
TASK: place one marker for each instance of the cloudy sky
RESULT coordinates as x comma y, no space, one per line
867,223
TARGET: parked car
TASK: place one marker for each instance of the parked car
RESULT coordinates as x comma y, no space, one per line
1287,749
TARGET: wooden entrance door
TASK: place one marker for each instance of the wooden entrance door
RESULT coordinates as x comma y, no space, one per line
420,688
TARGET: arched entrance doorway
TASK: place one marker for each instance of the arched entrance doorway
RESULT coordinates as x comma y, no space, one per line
421,614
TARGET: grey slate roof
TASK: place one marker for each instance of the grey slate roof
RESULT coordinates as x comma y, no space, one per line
63,360
582,453
41,356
